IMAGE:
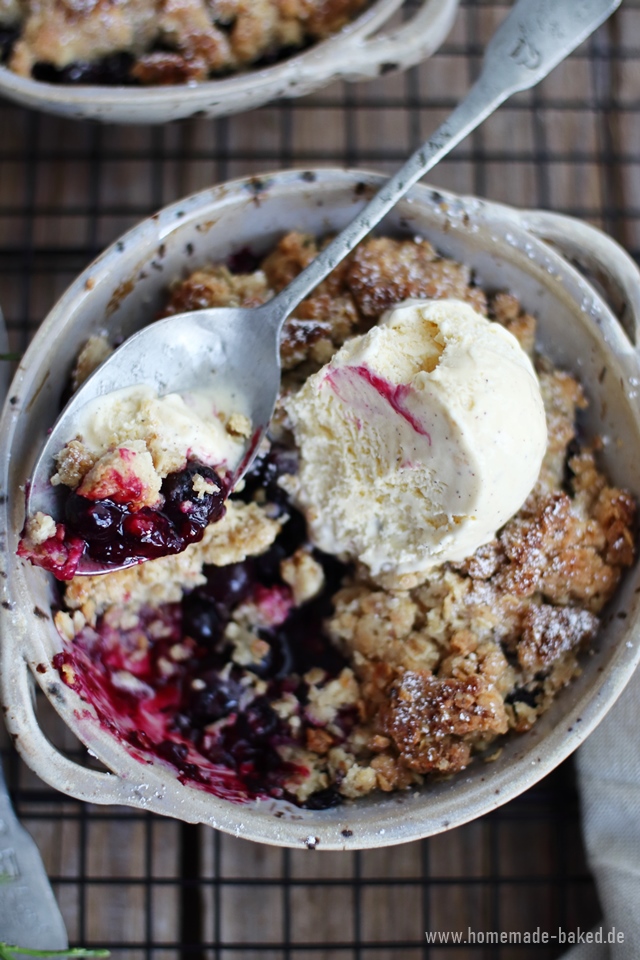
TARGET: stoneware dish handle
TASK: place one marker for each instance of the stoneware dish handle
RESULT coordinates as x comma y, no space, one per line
413,41
38,751
592,251
40,754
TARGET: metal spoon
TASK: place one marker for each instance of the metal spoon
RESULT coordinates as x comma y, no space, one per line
240,346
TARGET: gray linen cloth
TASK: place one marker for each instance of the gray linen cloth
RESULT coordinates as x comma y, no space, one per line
609,780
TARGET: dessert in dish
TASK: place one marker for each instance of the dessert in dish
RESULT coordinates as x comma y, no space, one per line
159,41
257,664
143,478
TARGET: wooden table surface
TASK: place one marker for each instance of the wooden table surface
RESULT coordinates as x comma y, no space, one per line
152,888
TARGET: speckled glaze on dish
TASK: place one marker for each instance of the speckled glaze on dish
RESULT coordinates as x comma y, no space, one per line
358,52
525,252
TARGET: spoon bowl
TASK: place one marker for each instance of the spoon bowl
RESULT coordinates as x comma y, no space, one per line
202,346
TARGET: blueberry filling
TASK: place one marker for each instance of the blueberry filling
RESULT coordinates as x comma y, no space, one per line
205,713
209,714
115,69
113,534
323,799
265,473
202,620
243,261
112,70
522,695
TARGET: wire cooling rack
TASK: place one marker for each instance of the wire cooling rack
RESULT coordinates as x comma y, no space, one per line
154,889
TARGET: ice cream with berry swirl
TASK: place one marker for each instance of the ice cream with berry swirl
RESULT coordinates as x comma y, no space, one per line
419,439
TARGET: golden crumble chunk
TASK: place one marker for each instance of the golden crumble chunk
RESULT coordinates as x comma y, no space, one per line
427,718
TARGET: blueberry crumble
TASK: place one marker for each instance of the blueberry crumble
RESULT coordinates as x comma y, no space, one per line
152,42
143,479
255,665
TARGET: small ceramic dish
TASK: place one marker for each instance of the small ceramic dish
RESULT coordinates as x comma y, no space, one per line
531,254
358,52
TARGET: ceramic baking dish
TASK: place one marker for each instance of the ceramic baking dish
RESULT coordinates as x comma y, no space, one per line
360,51
532,254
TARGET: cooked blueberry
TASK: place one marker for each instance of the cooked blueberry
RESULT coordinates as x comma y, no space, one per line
265,472
294,532
243,261
283,459
201,620
150,532
302,636
138,738
188,510
45,73
323,799
279,661
228,586
522,695
262,719
267,565
335,572
182,723
216,700
177,488
114,69
93,520
175,753
80,72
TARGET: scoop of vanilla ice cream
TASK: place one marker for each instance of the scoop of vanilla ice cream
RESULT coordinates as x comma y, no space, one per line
420,439
173,427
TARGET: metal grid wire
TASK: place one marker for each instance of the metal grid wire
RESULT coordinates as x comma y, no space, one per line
154,889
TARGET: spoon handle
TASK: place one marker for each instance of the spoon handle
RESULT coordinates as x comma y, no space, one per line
534,37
